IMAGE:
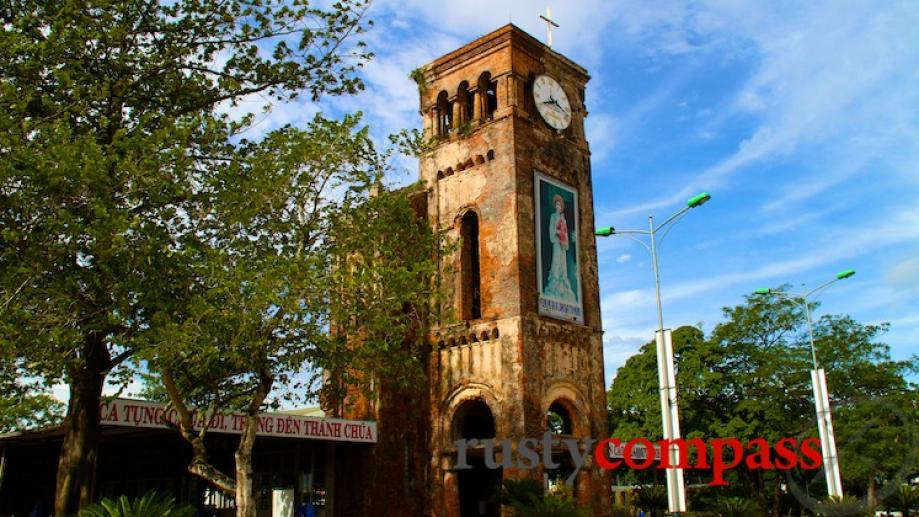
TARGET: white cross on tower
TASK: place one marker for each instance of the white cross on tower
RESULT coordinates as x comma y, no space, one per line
549,24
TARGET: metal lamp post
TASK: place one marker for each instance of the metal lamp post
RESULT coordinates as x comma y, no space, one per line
818,380
676,489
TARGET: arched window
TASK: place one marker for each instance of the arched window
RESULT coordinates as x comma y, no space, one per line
464,98
471,303
488,93
444,114
558,419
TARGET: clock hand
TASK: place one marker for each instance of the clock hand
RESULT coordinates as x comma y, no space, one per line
557,105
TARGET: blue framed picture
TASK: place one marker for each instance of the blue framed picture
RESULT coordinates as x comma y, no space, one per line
557,253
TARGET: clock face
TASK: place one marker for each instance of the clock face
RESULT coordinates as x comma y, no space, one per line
551,102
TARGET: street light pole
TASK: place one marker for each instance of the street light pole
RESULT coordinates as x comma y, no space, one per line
676,489
657,276
818,381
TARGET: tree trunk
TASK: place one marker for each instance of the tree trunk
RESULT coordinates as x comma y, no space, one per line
872,494
77,464
200,464
245,483
777,498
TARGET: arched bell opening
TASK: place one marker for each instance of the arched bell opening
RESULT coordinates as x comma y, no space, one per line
444,114
465,105
488,95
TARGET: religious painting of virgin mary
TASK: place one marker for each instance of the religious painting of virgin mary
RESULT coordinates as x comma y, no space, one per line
557,250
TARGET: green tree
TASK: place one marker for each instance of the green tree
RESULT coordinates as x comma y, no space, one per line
303,264
766,393
634,399
109,124
750,378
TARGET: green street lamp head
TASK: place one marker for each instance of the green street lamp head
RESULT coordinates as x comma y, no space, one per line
845,274
698,200
763,291
605,232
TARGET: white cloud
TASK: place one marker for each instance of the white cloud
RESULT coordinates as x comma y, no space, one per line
634,307
61,392
622,298
843,244
616,351
791,222
602,131
582,36
824,77
904,275
605,131
622,259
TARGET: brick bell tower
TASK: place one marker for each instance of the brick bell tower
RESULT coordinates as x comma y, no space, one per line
508,176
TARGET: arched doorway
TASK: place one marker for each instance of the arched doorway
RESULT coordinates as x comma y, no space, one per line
560,422
478,485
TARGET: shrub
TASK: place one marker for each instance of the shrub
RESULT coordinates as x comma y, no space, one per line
528,498
905,499
842,506
550,506
652,499
520,491
736,507
151,504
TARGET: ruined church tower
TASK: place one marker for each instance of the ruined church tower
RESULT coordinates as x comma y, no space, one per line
508,175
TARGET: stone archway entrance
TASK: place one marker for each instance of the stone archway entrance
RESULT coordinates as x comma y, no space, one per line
560,422
479,484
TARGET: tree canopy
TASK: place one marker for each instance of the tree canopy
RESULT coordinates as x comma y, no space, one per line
302,265
749,378
114,129
25,405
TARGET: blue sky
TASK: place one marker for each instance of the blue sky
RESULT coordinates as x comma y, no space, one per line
800,118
